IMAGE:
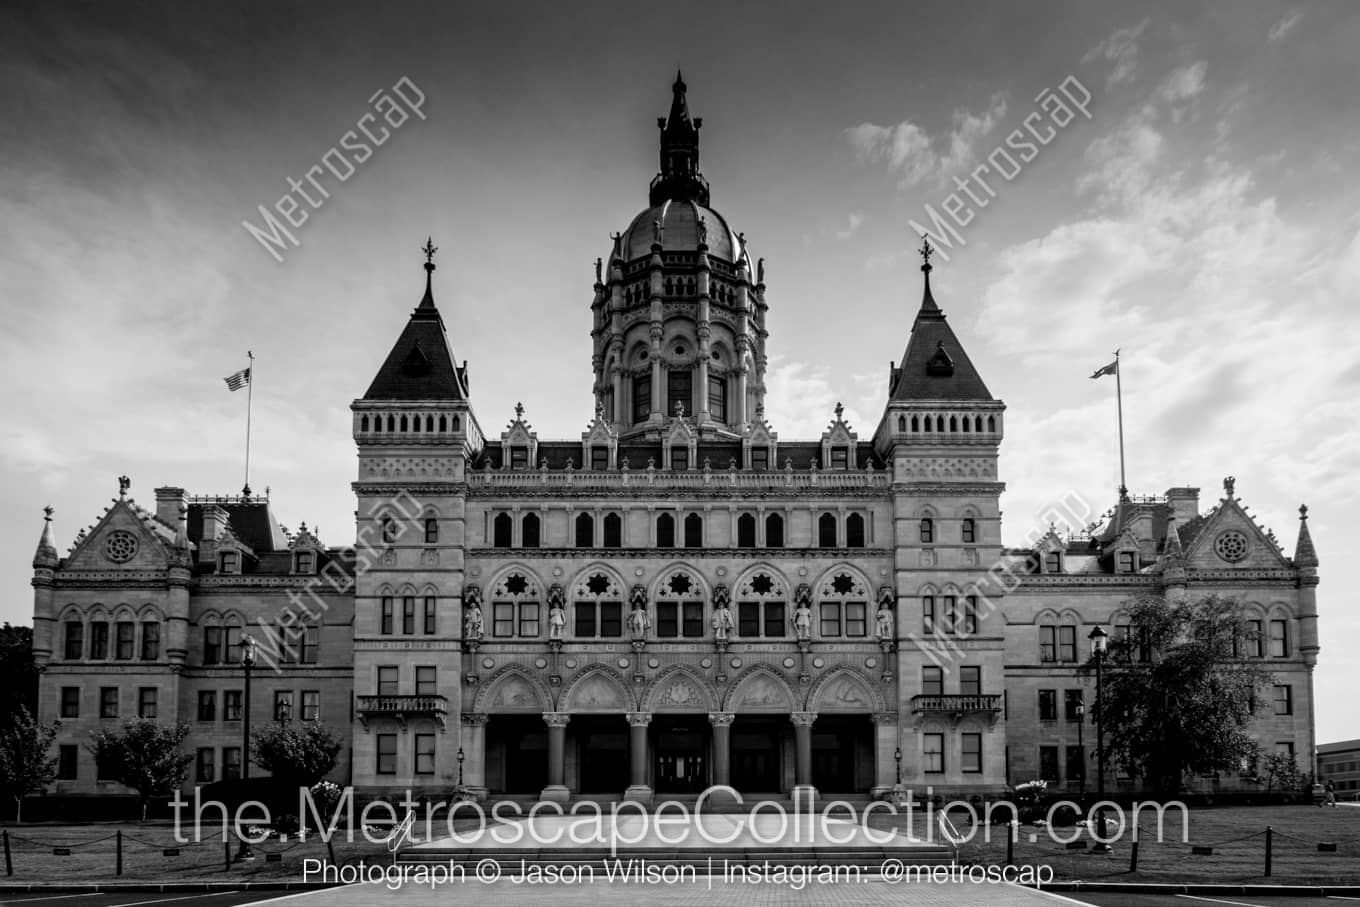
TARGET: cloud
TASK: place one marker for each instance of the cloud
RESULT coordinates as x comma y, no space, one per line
1183,83
856,220
1121,49
801,399
916,156
1280,29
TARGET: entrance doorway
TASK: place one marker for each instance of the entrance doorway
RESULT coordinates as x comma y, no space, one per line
843,753
681,747
757,749
516,754
602,748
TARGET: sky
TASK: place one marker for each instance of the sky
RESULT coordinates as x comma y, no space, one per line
1203,220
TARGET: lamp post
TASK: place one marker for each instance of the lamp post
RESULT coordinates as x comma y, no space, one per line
461,757
898,756
1099,638
247,662
1081,748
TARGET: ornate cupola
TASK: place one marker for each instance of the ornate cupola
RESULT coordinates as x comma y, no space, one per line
679,179
679,310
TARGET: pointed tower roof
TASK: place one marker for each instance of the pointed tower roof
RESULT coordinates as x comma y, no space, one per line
935,365
679,179
1305,555
46,555
421,365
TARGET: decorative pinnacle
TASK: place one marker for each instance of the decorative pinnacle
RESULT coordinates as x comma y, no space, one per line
839,410
1303,513
429,249
519,412
926,251
124,483
1229,483
49,510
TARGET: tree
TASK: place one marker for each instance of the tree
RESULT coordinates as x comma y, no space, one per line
1177,698
18,674
299,758
1282,769
144,755
25,766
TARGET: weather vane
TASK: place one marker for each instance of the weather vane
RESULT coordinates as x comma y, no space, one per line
926,250
429,249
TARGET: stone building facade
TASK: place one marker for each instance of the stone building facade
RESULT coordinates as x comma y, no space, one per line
676,599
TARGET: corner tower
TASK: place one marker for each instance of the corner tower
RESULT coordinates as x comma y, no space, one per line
679,310
416,432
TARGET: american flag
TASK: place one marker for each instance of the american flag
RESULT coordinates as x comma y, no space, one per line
239,380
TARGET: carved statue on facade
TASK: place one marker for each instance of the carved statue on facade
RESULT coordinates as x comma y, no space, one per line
557,615
884,618
472,621
722,621
702,228
802,614
639,622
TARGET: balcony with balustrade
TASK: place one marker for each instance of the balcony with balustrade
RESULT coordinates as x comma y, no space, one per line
402,708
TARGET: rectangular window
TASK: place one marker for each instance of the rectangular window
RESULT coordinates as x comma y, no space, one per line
231,705
774,619
586,624
611,619
928,613
67,755
1126,562
831,619
99,639
528,619
1279,639
306,642
1076,763
108,702
387,754
1285,747
207,705
311,705
1048,705
424,754
599,458
1284,699
429,615
231,649
1048,643
1253,639
840,458
519,457
426,684
408,614
387,616
932,681
1053,562
679,390
970,616
933,750
283,705
972,752
642,398
667,620
75,640
231,763
1067,643
388,677
717,398
748,619
1072,704
680,458
969,532
856,619
970,680
205,766
212,645
760,458
70,702
146,702
151,641
950,617
230,560
503,619
692,620
1048,764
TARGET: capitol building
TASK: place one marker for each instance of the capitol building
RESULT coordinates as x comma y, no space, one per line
680,597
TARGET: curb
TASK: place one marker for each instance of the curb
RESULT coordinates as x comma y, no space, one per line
159,887
1201,888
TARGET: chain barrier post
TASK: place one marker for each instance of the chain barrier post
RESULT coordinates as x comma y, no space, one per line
226,847
1270,833
118,849
9,861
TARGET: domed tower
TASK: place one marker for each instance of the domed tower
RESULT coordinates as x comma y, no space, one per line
679,316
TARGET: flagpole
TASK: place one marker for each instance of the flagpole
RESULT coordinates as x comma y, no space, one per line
250,387
1119,398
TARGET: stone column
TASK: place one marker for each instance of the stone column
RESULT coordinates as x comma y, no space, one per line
637,752
474,754
802,755
722,746
557,757
886,744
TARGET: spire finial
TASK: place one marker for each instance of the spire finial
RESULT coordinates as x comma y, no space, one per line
840,411
926,251
124,483
429,249
1229,484
49,510
1303,513
427,302
519,412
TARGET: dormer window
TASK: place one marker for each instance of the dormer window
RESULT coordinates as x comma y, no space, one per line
305,562
679,458
927,531
1128,562
230,562
717,398
519,457
760,458
599,458
1053,562
840,458
642,398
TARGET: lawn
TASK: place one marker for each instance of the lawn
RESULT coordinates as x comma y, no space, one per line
51,852
1236,834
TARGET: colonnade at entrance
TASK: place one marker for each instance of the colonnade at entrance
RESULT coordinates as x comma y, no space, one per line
559,755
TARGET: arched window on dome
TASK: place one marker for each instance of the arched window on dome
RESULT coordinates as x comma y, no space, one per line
774,531
746,531
826,530
665,531
529,531
585,531
363,424
694,531
915,423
